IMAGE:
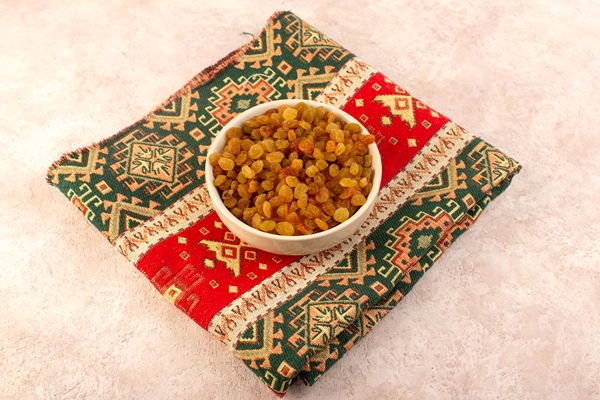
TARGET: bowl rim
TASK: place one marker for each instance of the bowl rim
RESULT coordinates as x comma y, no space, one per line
260,109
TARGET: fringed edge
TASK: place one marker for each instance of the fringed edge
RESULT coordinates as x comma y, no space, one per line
203,77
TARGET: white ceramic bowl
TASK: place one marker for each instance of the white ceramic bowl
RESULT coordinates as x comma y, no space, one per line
290,245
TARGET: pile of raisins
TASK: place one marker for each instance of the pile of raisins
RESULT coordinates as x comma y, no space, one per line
294,170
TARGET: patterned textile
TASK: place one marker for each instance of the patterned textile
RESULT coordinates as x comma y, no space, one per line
285,317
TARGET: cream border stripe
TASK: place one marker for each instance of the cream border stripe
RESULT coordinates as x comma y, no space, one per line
182,214
346,83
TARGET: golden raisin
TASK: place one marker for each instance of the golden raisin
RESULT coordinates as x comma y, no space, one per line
302,201
267,225
329,208
248,172
282,211
230,202
234,133
219,180
267,209
253,186
286,192
347,193
278,201
290,113
257,166
347,182
367,139
306,146
314,210
318,154
292,218
213,159
255,151
235,146
284,228
334,170
267,185
275,157
269,145
303,229
358,199
291,181
256,220
322,225
310,171
226,164
323,195
321,164
341,214
305,125
300,189
243,203
352,127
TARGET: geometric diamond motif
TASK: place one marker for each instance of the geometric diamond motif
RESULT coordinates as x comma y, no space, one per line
152,161
160,164
229,251
286,370
327,320
103,187
197,134
284,67
379,288
209,263
230,237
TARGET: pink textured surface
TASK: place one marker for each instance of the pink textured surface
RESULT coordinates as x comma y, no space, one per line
512,310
